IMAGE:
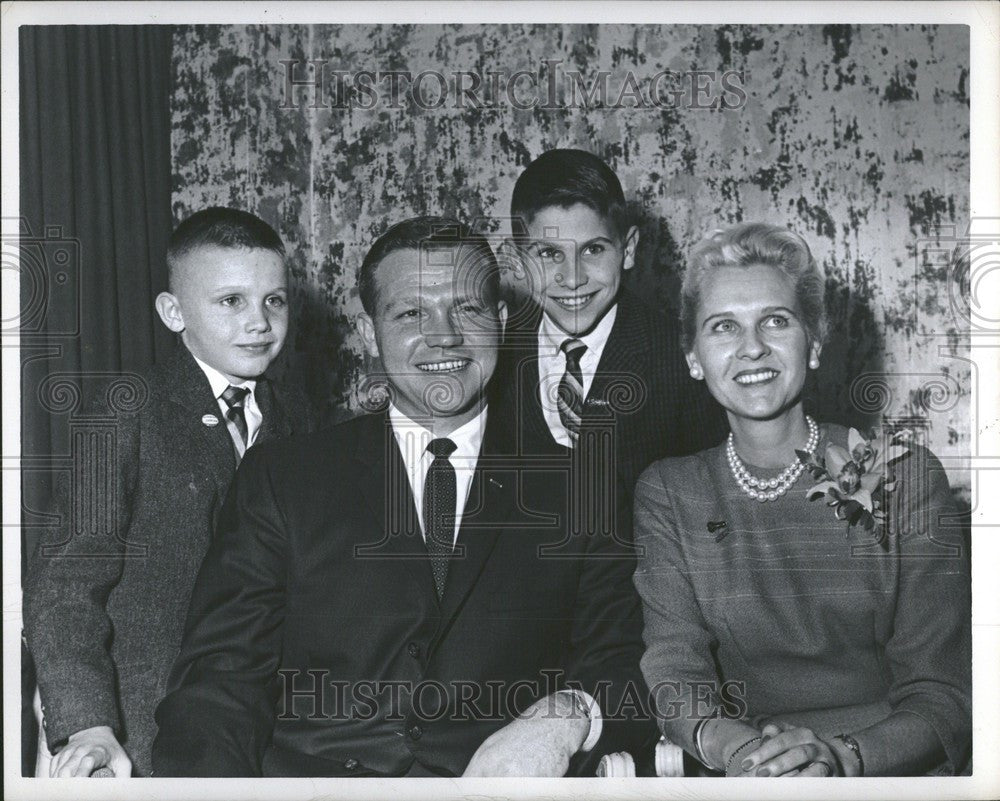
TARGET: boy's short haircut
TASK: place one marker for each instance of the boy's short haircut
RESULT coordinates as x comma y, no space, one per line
222,228
565,177
438,233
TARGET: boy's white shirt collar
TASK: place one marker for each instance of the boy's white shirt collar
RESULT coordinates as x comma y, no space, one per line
552,336
219,382
251,411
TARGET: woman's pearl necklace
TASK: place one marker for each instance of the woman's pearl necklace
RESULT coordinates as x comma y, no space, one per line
769,489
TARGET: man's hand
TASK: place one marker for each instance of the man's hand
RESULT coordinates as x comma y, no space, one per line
88,750
538,743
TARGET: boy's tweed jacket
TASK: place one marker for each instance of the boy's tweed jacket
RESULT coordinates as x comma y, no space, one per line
108,590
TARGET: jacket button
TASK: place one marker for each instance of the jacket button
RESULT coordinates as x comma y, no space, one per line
351,764
413,650
416,732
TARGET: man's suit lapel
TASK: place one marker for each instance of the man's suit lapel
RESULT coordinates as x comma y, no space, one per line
385,487
491,501
198,408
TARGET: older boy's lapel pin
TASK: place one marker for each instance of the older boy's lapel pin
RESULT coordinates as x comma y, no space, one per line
210,420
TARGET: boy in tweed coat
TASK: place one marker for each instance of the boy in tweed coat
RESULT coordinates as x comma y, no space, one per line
104,610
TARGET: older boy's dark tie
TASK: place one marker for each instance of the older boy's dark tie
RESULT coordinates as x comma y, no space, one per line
439,510
569,401
235,397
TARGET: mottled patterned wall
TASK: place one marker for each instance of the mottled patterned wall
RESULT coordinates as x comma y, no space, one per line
857,137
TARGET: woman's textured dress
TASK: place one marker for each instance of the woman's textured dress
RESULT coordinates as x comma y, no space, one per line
789,616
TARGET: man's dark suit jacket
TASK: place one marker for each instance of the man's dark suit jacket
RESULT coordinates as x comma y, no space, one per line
642,391
106,598
318,579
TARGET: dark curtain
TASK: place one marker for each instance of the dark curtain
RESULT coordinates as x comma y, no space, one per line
95,182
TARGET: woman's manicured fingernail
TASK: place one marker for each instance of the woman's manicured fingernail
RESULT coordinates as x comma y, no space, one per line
746,764
764,772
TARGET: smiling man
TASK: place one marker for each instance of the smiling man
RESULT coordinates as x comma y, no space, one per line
595,356
379,601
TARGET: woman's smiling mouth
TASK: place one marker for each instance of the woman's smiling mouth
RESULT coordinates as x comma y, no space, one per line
752,377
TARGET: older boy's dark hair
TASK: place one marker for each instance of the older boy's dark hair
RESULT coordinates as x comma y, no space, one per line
430,233
222,228
565,177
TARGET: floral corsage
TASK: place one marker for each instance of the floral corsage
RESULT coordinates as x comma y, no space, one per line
855,480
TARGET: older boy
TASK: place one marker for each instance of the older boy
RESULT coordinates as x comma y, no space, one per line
595,357
104,613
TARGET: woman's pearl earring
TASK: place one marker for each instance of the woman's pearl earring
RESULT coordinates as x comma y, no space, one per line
813,362
696,373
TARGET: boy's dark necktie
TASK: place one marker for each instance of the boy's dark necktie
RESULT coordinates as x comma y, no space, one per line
235,397
569,401
439,510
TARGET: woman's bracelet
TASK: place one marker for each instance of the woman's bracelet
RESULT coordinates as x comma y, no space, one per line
736,753
854,748
698,747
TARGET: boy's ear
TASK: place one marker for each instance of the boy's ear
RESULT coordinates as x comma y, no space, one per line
631,243
169,309
366,329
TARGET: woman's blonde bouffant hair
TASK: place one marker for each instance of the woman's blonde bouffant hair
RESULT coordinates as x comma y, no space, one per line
749,244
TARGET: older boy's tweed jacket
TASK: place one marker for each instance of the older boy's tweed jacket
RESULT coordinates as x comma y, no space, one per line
108,590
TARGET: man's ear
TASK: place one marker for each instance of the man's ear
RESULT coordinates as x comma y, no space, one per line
169,309
366,329
631,244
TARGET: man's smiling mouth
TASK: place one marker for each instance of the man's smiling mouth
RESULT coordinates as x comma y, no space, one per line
444,366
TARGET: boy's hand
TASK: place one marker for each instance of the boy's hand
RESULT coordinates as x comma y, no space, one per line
88,750
538,743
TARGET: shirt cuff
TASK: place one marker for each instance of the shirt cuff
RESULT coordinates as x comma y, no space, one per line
586,703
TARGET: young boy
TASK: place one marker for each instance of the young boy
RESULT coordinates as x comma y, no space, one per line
104,611
595,357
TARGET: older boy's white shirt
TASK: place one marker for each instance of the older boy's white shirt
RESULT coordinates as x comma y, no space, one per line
552,366
412,439
251,411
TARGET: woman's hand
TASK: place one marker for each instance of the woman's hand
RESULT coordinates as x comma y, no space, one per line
792,751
